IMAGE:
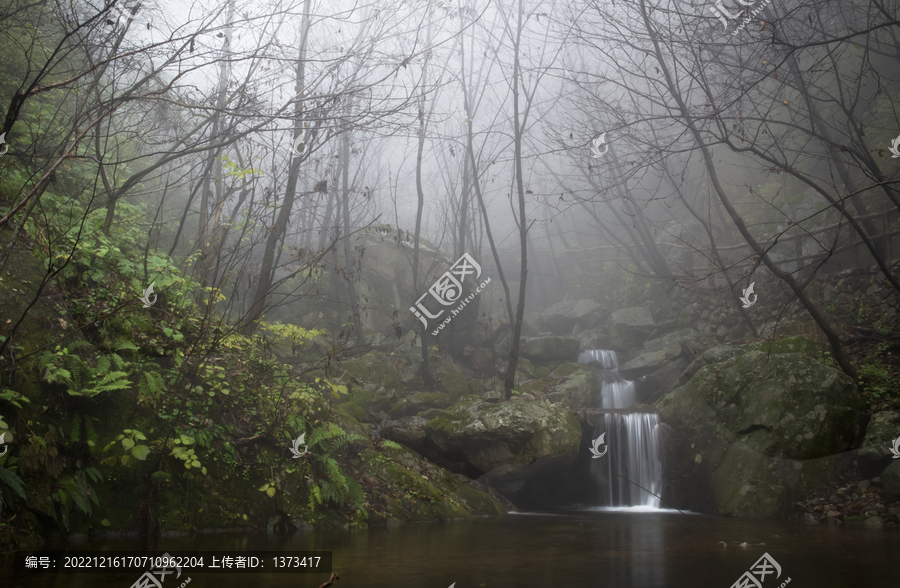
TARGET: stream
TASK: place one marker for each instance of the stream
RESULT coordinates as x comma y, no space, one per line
589,548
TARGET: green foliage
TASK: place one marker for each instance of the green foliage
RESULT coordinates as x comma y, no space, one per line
129,440
180,450
878,383
13,398
65,367
332,486
9,480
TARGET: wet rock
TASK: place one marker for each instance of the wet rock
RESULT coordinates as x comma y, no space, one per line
493,396
890,484
578,390
765,440
649,361
409,431
875,522
630,327
549,348
882,429
526,438
563,317
419,401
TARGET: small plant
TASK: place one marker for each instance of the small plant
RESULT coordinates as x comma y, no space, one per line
878,383
182,452
134,450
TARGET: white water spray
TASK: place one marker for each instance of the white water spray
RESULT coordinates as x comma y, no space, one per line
633,466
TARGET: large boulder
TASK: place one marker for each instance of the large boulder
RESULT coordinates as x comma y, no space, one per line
420,401
409,431
890,481
688,337
753,433
630,327
881,431
562,318
511,442
550,348
649,361
577,390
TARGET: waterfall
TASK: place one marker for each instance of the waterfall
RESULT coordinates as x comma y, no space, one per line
633,460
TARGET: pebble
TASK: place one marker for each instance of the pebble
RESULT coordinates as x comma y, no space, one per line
835,499
876,481
864,484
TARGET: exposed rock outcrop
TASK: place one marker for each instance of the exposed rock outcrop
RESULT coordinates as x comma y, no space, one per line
568,316
754,432
630,327
510,442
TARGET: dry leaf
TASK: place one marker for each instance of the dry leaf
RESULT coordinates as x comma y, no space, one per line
786,103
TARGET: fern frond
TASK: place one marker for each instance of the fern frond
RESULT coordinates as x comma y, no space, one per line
13,481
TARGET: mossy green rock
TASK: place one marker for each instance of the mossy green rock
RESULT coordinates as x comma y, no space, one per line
430,493
578,390
487,436
629,327
566,369
890,481
798,344
881,431
548,348
419,401
451,381
757,431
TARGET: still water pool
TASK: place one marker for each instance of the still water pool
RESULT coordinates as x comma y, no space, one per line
590,548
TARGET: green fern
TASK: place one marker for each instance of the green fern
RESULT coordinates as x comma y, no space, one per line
13,481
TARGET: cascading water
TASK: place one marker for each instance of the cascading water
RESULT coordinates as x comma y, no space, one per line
632,463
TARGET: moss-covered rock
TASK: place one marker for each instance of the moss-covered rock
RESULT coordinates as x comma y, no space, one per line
566,369
420,491
451,381
799,344
420,401
578,390
760,430
629,327
354,410
881,431
530,435
550,348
